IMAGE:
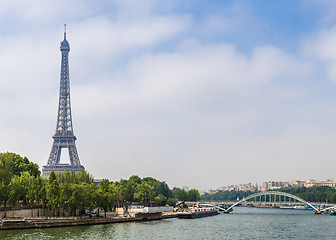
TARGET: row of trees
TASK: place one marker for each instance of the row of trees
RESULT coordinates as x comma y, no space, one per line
147,190
225,195
183,195
20,182
311,194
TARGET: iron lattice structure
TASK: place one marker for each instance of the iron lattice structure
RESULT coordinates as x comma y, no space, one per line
64,136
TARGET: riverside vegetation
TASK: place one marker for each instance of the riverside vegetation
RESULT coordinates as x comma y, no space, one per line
21,184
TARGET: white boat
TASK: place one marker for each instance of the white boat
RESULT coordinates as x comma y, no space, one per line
299,207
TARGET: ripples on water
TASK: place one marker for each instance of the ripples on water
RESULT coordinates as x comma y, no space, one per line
243,223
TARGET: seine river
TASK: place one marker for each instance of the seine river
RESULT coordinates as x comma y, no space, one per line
243,223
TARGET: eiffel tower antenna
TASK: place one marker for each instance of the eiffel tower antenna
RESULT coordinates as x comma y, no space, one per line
64,31
64,136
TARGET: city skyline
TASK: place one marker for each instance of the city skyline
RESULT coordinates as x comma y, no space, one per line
273,185
195,93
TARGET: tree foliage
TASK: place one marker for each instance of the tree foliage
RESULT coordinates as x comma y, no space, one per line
183,195
105,196
12,165
16,191
313,194
226,195
53,192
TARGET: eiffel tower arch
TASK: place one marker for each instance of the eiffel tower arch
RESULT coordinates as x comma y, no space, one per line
64,136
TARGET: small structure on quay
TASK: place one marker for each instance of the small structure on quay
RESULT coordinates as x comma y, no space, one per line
64,136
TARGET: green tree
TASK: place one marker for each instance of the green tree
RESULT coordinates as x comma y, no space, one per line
82,197
73,177
171,201
6,173
15,191
42,195
226,195
66,190
115,190
160,199
157,186
144,192
104,195
135,179
53,193
193,195
165,190
13,164
83,177
30,189
180,194
127,189
76,191
22,164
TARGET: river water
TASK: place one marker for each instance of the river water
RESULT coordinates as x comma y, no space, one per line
242,223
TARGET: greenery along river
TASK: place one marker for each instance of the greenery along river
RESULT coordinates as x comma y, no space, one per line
243,223
70,192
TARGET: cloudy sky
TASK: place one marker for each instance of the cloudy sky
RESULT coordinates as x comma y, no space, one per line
192,92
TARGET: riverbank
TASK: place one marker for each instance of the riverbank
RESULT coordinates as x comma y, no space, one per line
26,223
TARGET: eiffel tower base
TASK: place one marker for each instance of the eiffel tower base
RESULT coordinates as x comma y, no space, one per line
60,168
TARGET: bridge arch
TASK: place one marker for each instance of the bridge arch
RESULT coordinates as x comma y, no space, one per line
269,193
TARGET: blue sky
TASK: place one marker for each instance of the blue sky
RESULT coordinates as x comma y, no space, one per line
196,93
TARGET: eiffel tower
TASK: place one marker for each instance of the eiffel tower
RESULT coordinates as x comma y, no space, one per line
64,137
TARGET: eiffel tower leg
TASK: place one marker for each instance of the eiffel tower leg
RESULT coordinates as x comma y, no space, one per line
55,153
73,155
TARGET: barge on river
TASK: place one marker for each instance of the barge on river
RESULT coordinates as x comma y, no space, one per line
198,213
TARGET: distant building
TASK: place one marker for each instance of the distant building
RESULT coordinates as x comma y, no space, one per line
297,183
271,185
311,183
247,187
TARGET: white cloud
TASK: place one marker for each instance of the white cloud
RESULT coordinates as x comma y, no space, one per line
322,46
170,78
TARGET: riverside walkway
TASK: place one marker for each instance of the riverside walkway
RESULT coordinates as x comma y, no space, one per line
45,222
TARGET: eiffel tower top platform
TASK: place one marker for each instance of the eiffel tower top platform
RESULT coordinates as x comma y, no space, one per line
64,136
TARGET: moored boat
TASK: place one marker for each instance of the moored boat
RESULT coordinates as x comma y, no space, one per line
299,207
198,213
286,207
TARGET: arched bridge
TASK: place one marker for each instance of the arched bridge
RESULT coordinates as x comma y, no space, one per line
275,197
273,193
